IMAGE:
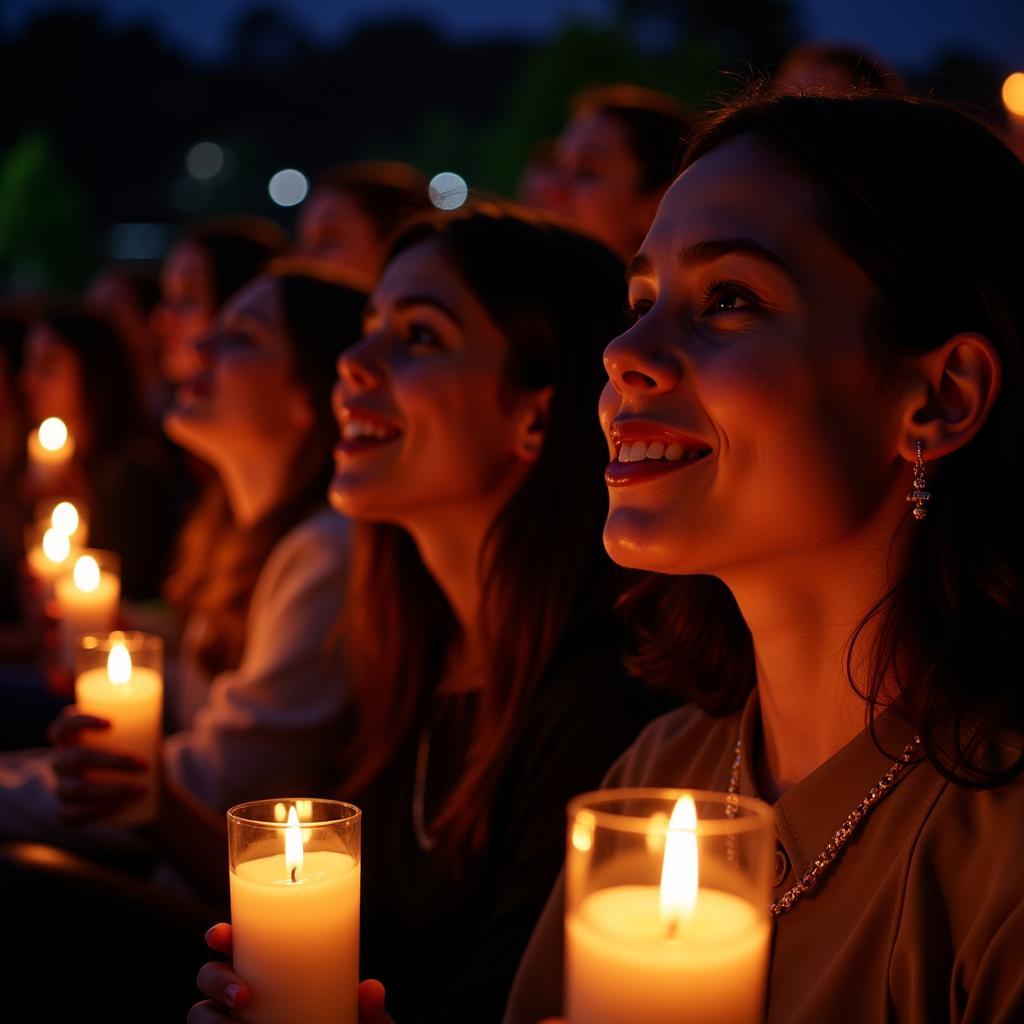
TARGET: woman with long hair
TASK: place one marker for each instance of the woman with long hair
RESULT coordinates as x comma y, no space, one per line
829,322
256,698
483,651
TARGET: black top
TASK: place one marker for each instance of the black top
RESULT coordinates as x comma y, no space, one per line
445,944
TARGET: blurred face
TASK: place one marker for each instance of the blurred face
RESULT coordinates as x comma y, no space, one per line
242,400
426,423
52,379
334,229
599,183
743,419
185,311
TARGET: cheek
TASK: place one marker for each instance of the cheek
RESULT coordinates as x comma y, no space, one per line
250,394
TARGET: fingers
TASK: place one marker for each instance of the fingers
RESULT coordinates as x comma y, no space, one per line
74,761
371,1003
207,1012
67,728
219,938
217,981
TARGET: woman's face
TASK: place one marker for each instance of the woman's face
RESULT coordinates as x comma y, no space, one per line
241,401
52,379
185,311
426,425
598,183
333,229
743,396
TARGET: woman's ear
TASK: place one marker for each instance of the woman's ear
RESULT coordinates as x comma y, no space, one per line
952,393
532,423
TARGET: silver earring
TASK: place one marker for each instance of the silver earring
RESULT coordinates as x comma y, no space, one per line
920,495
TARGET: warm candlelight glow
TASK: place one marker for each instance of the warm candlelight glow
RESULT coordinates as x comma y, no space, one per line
679,876
119,664
1013,93
56,545
293,844
86,574
583,831
53,434
65,518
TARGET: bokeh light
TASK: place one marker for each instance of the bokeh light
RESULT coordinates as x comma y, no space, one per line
448,191
205,160
53,434
1013,93
288,187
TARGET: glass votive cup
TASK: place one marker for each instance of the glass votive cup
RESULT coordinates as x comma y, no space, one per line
48,554
294,870
667,895
119,677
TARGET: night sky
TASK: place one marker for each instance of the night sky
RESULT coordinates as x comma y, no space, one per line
908,33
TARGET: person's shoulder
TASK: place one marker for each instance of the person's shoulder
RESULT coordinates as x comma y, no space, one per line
323,534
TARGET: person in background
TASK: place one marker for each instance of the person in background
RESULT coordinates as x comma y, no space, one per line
77,368
352,213
485,658
830,321
613,162
209,263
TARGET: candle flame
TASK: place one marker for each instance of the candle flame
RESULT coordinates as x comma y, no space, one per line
293,844
53,434
86,574
679,874
56,545
119,664
583,831
64,518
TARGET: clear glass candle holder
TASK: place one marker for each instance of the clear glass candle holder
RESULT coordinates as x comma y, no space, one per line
667,895
294,877
49,554
119,677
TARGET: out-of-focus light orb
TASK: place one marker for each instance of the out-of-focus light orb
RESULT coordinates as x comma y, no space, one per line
288,187
1013,93
53,434
448,191
205,160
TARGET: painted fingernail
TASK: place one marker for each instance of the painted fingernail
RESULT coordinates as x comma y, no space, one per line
209,932
231,993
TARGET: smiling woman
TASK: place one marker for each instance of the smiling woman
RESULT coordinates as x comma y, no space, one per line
829,295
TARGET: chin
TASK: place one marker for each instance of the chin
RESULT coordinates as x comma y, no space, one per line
639,539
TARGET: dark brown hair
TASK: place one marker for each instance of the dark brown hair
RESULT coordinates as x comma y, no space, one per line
656,126
928,199
559,299
220,561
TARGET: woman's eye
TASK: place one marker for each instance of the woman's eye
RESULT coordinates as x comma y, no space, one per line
723,297
422,336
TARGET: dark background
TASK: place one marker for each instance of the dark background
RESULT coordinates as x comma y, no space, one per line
100,101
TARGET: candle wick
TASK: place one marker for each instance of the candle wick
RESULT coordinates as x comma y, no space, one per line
293,874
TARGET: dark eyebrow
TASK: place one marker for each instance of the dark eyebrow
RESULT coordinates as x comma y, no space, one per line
715,249
407,301
639,266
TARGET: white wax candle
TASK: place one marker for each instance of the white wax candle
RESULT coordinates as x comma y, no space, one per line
50,449
131,698
297,943
623,965
88,602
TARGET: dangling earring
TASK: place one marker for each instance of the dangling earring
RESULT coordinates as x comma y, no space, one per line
920,494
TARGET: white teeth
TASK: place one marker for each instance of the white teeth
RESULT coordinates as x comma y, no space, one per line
655,450
674,452
624,453
354,429
638,452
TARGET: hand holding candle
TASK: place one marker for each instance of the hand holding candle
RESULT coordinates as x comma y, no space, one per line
667,916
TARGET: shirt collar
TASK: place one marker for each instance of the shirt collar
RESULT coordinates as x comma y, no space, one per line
808,814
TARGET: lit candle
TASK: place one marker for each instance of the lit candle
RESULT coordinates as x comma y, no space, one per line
679,951
65,519
128,692
49,558
295,911
50,449
87,598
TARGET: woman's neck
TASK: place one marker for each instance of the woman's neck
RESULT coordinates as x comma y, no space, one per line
255,485
802,617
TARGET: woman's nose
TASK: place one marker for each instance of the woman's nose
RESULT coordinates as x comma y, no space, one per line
641,362
357,369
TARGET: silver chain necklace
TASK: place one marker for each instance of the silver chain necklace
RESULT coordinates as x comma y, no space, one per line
839,838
